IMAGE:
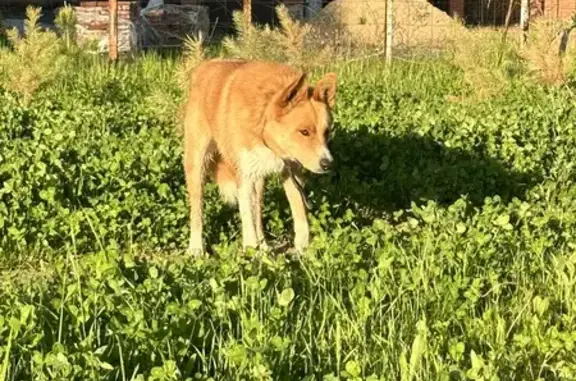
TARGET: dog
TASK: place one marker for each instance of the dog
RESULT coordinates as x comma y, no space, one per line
244,121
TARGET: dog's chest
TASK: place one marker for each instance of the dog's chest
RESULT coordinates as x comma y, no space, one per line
260,162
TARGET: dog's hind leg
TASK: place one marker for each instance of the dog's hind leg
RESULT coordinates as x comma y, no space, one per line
198,148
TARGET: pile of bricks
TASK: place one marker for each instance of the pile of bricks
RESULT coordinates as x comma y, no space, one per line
93,23
168,24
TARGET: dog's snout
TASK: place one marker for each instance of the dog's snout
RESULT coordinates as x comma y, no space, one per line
326,164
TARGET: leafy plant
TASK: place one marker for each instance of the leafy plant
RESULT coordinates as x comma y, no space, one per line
30,61
66,23
291,43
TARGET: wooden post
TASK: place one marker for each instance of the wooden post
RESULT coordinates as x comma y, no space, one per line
113,30
508,15
247,9
524,18
389,29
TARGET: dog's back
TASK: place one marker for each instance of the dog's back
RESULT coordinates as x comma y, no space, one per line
227,100
232,94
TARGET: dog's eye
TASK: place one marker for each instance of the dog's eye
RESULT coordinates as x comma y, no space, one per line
305,132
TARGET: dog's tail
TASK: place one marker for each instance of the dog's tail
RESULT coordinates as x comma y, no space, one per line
224,176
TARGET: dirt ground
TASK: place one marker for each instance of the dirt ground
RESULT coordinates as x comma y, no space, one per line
416,22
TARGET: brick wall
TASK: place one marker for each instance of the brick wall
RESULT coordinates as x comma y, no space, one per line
93,22
562,9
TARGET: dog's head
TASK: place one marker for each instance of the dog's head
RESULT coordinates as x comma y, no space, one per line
300,120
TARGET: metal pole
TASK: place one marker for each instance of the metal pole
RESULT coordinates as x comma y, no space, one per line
113,33
524,18
389,29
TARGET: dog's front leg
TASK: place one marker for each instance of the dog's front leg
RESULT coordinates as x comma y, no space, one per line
246,203
298,208
259,195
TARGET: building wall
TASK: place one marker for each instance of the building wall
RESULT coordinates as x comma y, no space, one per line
562,9
493,12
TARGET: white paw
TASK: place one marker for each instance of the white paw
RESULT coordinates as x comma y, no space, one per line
249,245
195,247
301,242
195,252
264,245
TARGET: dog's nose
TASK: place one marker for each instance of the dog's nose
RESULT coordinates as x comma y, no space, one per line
326,164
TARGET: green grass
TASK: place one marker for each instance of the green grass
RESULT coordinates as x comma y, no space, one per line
443,243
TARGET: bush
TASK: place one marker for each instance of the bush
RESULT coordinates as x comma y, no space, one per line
30,62
542,51
292,43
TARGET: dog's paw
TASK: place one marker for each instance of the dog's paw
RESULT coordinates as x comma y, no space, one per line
195,252
301,243
263,245
249,248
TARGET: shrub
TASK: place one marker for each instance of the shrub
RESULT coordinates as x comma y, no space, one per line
32,61
542,50
292,43
488,59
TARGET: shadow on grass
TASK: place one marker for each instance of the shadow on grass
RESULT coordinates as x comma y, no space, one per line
378,173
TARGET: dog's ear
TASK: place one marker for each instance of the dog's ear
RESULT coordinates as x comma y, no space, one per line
292,94
325,90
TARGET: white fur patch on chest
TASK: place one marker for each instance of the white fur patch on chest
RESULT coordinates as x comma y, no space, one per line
259,162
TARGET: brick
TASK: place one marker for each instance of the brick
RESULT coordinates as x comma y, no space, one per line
456,8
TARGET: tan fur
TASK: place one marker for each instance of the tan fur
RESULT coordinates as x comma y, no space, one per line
244,121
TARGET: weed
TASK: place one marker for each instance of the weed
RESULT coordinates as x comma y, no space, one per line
543,53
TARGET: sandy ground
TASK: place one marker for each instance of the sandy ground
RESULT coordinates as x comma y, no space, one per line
416,22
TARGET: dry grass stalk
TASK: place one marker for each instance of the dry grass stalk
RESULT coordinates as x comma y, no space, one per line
542,51
488,61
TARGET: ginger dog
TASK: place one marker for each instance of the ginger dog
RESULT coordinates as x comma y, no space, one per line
244,121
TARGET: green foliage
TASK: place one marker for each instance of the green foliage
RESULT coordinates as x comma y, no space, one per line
30,61
3,39
443,243
292,42
66,23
